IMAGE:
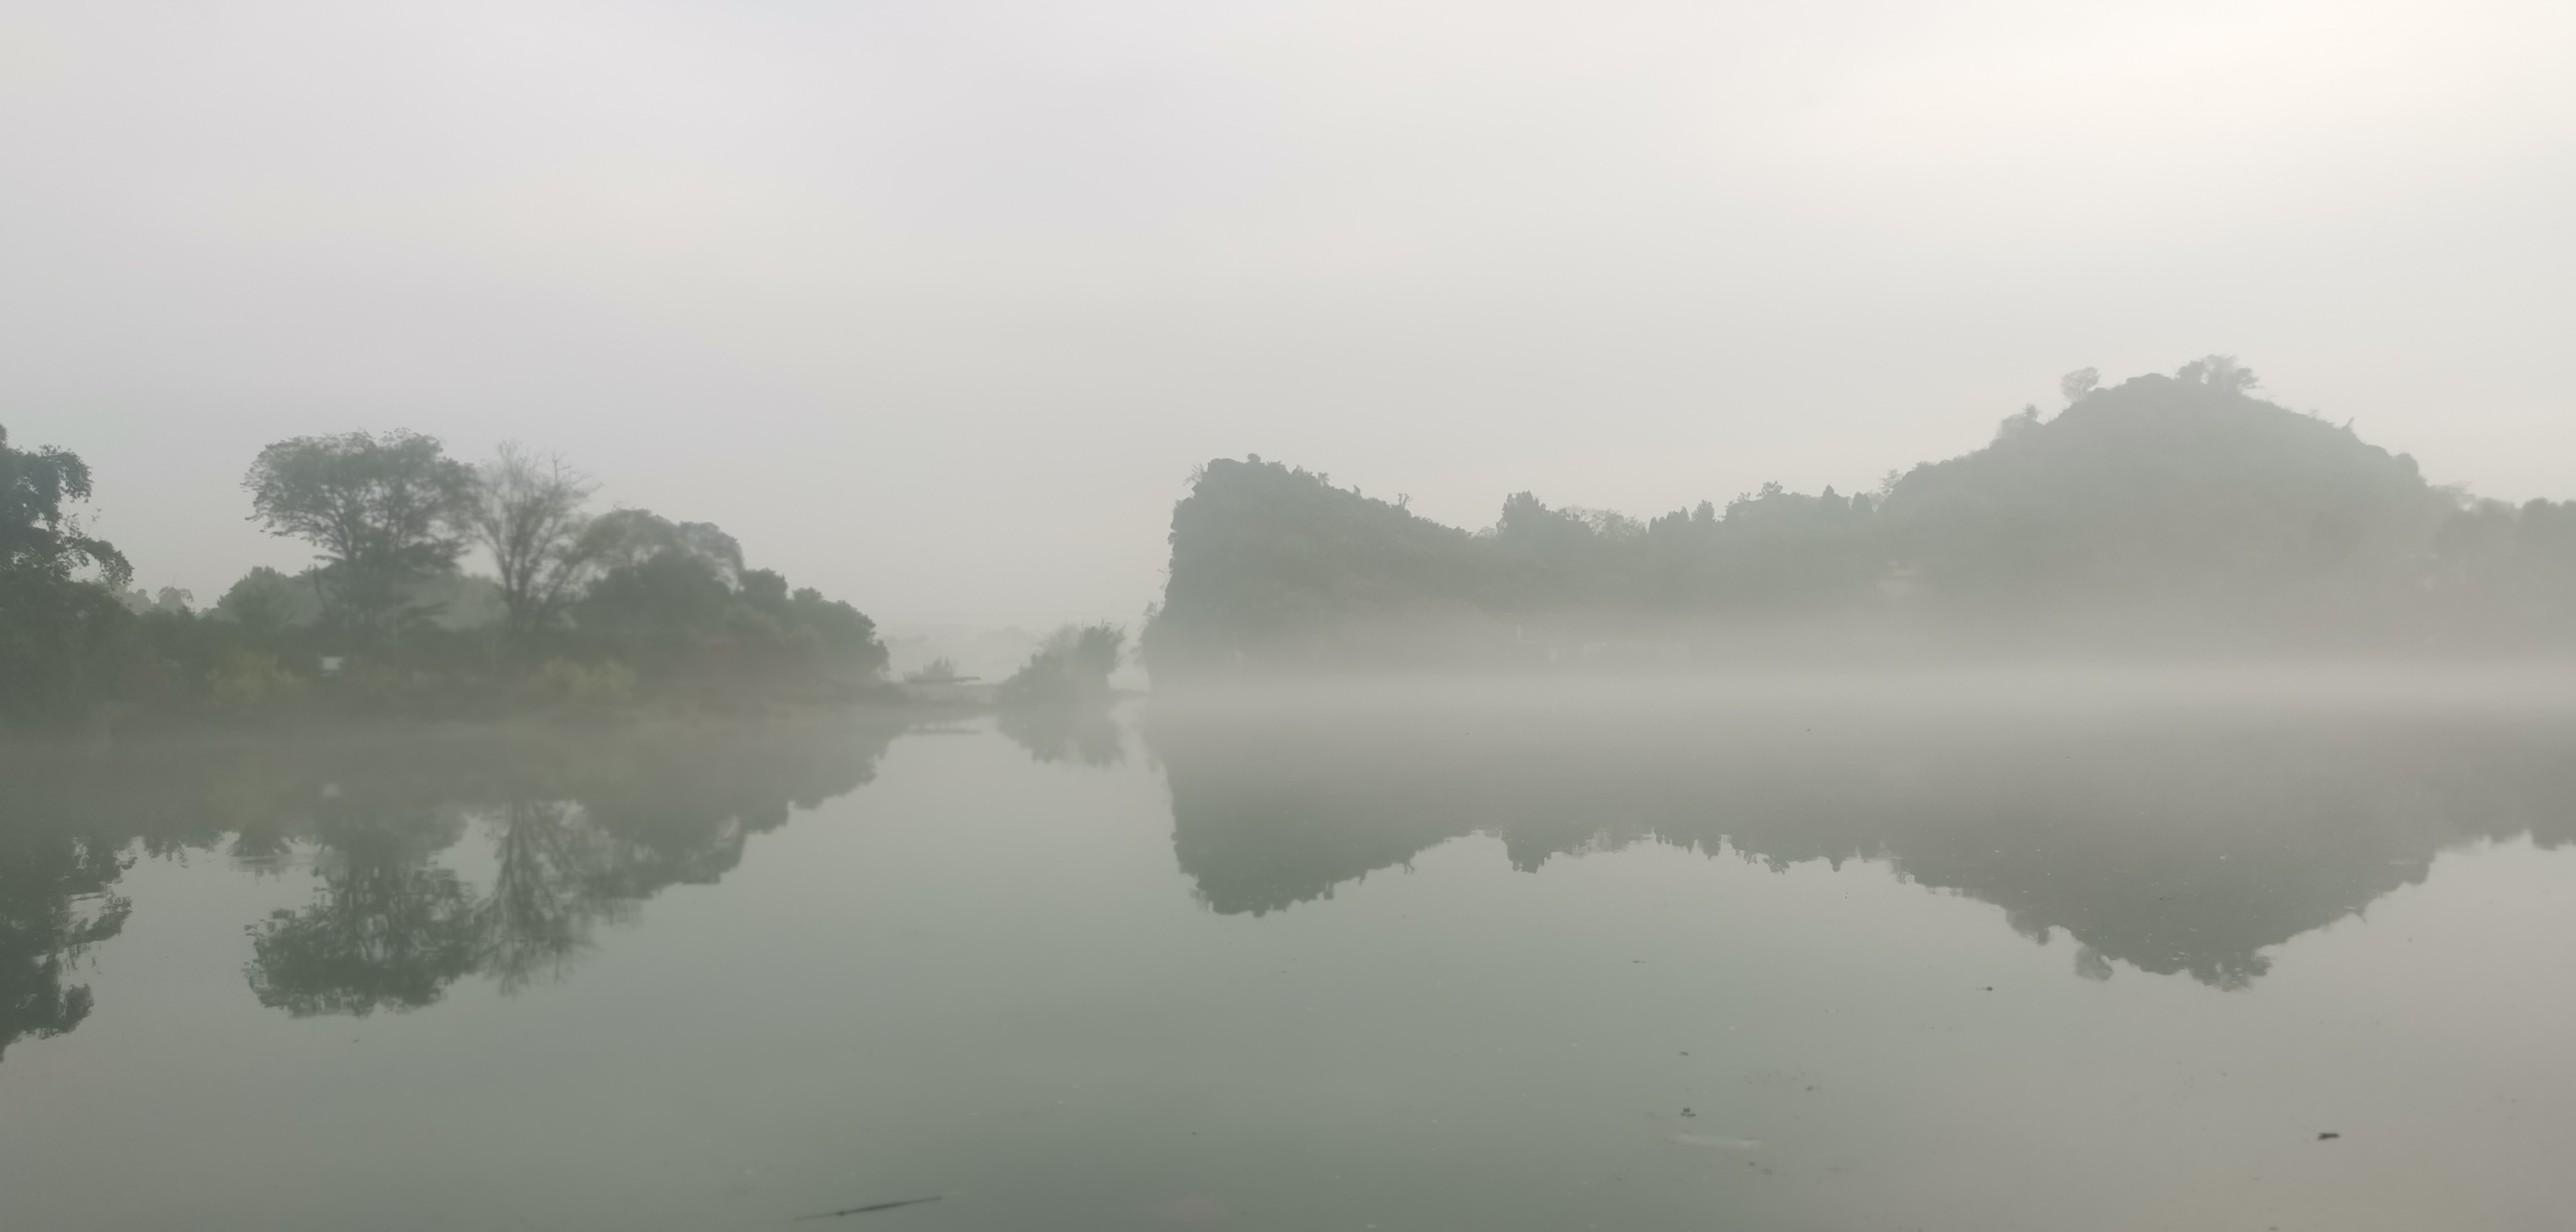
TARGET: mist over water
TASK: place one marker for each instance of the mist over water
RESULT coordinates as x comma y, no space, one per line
1411,614
1947,950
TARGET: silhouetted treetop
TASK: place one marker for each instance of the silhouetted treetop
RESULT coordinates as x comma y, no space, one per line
36,533
386,512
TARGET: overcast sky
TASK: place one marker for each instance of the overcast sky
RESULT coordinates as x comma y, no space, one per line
935,304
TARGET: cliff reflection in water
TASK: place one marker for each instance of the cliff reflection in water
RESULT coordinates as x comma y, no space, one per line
563,832
2173,840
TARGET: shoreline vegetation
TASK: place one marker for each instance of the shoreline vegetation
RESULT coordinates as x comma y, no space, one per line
590,617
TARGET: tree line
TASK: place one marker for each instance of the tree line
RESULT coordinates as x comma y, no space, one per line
2171,512
582,607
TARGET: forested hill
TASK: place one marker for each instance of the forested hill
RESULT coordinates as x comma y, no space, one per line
2166,513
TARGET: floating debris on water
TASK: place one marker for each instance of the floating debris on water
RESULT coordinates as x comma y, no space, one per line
862,1210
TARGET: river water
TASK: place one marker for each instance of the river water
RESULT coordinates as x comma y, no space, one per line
1488,960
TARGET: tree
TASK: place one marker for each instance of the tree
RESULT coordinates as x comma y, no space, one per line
942,670
2078,383
263,602
527,512
35,534
2017,424
64,641
169,600
664,590
828,629
624,538
384,510
2219,372
1071,665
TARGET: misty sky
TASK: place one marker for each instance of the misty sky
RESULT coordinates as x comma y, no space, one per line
935,304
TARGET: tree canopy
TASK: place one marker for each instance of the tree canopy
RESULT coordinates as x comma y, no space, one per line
526,512
63,638
387,512
37,535
586,611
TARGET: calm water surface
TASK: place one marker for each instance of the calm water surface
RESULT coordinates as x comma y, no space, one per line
1480,962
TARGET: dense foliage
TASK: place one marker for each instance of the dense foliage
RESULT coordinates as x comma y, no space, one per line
385,512
591,611
1072,665
2165,513
63,638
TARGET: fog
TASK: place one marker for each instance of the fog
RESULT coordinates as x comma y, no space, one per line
2028,693
936,307
1254,615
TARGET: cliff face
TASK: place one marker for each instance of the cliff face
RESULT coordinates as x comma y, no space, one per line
1276,566
2166,513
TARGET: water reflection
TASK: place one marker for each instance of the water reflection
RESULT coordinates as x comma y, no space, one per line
389,928
1076,733
2171,841
56,901
436,858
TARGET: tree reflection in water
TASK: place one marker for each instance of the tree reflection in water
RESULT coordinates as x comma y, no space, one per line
1082,733
577,843
55,903
582,828
552,884
388,928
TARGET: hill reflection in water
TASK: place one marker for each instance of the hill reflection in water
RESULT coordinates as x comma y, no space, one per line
2176,838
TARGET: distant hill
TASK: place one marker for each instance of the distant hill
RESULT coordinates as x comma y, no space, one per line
2167,513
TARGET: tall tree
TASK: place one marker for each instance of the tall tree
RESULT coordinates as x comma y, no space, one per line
527,512
386,512
624,538
35,533
63,639
264,602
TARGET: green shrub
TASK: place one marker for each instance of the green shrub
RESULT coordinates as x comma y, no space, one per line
247,680
605,684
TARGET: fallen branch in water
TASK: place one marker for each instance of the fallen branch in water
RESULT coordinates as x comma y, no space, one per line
862,1210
